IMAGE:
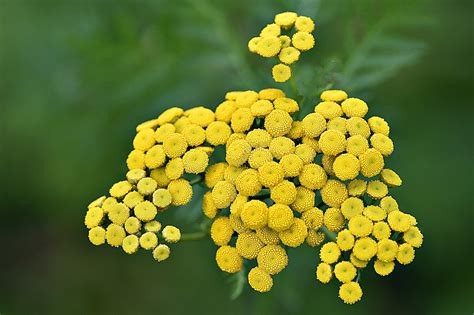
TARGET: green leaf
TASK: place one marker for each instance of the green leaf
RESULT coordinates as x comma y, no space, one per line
237,282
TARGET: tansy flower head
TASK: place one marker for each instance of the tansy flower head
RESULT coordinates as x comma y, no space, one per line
334,193
260,280
248,245
97,235
228,259
295,235
281,72
223,194
350,292
280,217
390,178
333,95
324,272
303,41
365,248
130,244
272,259
330,253
161,252
345,271
221,231
171,234
379,125
254,214
292,165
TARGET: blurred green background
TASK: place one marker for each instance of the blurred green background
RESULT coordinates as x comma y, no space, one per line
77,76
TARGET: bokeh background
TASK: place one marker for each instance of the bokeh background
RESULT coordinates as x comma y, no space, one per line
77,76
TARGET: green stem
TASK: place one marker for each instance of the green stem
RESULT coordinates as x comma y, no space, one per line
194,236
196,180
330,235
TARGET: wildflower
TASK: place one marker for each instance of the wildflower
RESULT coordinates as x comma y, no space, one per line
114,235
382,143
286,19
254,214
315,238
334,193
161,252
296,131
345,240
278,123
214,174
383,268
389,204
314,124
304,24
281,146
281,72
328,161
328,109
339,124
272,259
305,152
360,226
270,174
346,166
247,183
237,224
132,225
159,175
108,204
134,175
163,131
155,157
312,176
357,262
283,193
333,95
330,253
252,44
289,55
223,194
181,192
162,198
413,237
228,259
260,280
345,271
238,152
280,217
120,189
93,217
270,30
405,254
354,107
146,186
144,139
119,213
303,41
200,116
248,245
221,231
333,219
313,218
376,189
398,221
390,178
268,236
97,235
224,111
381,230
130,244
171,234
350,292
375,213
295,235
195,161
153,123
291,164
153,226
194,135
175,145
304,199
357,145
259,156
371,163
332,142
379,125
208,206
365,248
324,272
357,187
268,46
387,250
261,108
351,207
169,115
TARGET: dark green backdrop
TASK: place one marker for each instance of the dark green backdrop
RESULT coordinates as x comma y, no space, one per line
77,76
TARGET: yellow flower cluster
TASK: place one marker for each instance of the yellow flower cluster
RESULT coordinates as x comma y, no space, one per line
166,151
285,39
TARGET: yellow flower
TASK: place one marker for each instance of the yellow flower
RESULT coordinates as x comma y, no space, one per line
153,226
296,131
162,198
261,108
146,186
281,146
270,30
272,259
237,205
214,174
238,152
357,145
242,120
97,235
208,206
357,187
350,292
345,271
339,124
389,204
413,237
398,221
295,235
97,203
174,168
221,231
291,164
108,204
162,132
223,194
132,225
270,174
254,214
228,259
381,230
252,44
237,224
270,93
130,244
258,138
175,145
134,175
286,104
354,107
333,219
269,46
148,240
161,252
285,41
153,123
268,236
383,268
119,213
302,41
312,176
194,135
328,161
159,175
145,211
304,24
351,207
93,217
260,280
365,248
169,115
278,123
217,133
232,95
315,238
360,226
332,142
195,161
280,217
248,245
313,218
382,143
334,193
171,234
379,125
376,189
328,109
330,253
114,235
387,250
286,19
357,262
375,213
345,240
324,272
247,183
346,166
200,116
333,95
390,178
406,254
144,139
358,126
245,99
224,111
281,72
181,192
311,142
259,156
181,123
371,163
314,124
305,152
289,55
304,199
120,189
284,193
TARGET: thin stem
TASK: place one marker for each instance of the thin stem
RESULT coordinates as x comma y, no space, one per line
330,235
196,180
194,236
